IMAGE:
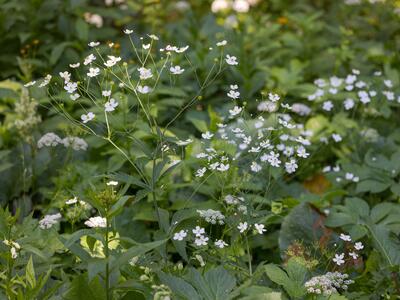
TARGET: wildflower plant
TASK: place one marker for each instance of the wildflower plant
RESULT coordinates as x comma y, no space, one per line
114,98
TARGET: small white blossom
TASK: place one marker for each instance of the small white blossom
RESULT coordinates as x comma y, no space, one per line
344,237
358,246
242,227
179,236
220,244
176,70
110,105
93,72
89,59
339,259
88,117
260,228
231,60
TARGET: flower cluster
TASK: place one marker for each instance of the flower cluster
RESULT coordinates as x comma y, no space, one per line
352,91
212,216
51,139
49,220
26,114
339,259
328,284
96,222
256,141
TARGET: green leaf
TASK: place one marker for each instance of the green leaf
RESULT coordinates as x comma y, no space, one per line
58,51
136,250
82,288
179,287
304,224
220,281
358,206
82,29
30,273
387,244
118,206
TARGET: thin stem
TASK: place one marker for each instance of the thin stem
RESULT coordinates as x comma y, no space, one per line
106,252
249,256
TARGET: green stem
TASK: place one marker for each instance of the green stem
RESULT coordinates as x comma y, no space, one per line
249,256
106,252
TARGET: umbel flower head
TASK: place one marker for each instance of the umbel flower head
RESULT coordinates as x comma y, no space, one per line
96,222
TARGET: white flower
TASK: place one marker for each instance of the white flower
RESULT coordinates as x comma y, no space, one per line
337,137
291,166
233,94
353,255
335,81
348,103
45,81
364,97
200,172
145,73
49,220
93,44
89,59
112,60
388,83
153,37
71,87
184,143
201,241
71,201
242,227
75,143
112,183
223,167
66,76
339,259
143,89
219,5
220,244
181,49
255,167
207,135
212,216
235,111
222,43
96,222
198,231
301,152
128,31
231,60
358,246
75,96
267,106
74,66
110,105
93,72
260,228
176,70
301,109
344,237
50,139
327,105
241,6
146,46
273,97
106,93
88,117
179,236
30,83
